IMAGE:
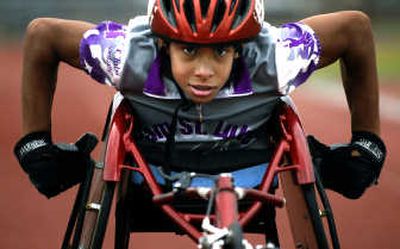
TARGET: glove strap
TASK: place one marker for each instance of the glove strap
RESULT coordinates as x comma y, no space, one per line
371,143
31,142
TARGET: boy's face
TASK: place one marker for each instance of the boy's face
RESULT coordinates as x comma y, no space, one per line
201,71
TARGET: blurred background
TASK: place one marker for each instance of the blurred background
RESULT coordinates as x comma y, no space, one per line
16,14
28,220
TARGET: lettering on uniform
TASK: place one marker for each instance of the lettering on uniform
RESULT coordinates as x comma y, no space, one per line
225,130
186,127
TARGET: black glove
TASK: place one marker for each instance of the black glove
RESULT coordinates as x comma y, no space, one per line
349,169
52,168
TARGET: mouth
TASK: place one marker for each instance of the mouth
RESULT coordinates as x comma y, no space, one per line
201,90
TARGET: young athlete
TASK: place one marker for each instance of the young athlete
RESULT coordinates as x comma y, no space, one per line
203,78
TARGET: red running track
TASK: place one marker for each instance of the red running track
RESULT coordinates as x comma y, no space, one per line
29,220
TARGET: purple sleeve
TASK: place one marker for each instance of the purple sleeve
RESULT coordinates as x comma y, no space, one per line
103,51
297,54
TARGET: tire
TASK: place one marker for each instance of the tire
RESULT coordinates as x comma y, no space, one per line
302,207
75,223
95,222
103,216
122,211
313,208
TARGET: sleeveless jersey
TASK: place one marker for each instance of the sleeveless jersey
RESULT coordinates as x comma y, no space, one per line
225,134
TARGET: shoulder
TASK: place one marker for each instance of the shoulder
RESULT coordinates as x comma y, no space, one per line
113,30
298,34
290,33
299,39
109,46
295,30
102,51
297,55
106,31
288,54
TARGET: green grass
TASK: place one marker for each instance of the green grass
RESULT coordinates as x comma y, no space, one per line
388,60
387,40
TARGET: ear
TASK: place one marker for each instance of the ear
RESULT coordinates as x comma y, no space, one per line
236,55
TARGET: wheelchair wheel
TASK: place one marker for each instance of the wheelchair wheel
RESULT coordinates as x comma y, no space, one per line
103,216
96,214
303,211
314,211
122,229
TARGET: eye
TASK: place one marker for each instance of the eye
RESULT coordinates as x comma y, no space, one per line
190,50
221,51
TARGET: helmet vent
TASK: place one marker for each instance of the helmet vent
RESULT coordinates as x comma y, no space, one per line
178,5
219,14
190,15
241,12
167,9
233,3
205,4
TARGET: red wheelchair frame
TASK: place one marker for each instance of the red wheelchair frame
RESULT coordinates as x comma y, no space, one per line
291,162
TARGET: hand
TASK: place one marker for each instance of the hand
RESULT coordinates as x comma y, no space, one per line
349,169
52,168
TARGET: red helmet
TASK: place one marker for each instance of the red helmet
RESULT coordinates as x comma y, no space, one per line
206,21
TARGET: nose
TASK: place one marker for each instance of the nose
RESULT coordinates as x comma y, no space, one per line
204,68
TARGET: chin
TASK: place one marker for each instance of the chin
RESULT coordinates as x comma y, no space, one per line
202,100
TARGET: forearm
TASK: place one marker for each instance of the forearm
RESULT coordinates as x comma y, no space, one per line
360,80
347,36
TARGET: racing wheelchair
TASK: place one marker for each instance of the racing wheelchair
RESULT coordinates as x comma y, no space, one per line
215,211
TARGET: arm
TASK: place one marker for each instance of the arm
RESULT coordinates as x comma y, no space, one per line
52,168
48,42
347,36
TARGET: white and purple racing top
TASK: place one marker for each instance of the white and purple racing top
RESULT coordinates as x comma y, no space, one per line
228,133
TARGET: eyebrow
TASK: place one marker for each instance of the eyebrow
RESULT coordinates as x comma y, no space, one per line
213,46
